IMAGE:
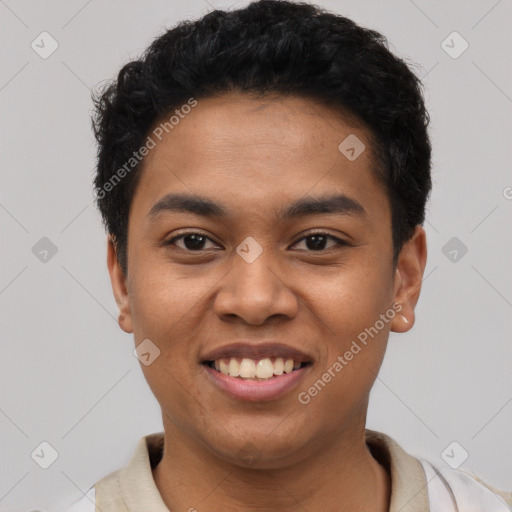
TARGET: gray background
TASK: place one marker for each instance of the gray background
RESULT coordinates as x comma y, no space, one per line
67,372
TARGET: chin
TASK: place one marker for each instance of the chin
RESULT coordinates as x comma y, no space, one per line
260,452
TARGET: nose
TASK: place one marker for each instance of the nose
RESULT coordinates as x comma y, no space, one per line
254,292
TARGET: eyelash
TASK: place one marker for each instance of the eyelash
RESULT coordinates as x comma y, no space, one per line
339,242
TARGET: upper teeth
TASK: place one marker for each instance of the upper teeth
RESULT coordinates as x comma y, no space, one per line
259,368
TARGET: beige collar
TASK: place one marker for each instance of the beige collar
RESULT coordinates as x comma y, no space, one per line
408,481
133,488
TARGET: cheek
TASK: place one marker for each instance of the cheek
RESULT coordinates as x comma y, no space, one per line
173,390
353,299
354,348
164,299
166,310
351,305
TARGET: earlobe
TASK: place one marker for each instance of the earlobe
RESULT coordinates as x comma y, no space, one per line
403,322
408,279
119,288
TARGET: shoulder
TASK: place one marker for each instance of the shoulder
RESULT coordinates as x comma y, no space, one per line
465,490
127,484
416,484
87,503
106,488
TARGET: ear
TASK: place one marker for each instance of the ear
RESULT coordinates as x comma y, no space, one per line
118,281
408,278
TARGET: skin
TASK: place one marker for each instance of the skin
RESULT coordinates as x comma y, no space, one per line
255,156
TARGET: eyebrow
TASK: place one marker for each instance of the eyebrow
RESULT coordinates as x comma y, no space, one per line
205,207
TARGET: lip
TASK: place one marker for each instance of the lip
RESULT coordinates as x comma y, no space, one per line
253,390
256,350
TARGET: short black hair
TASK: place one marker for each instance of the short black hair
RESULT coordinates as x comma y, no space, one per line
270,46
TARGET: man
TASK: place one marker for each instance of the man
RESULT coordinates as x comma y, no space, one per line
262,175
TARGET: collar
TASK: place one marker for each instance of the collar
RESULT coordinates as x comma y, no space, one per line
408,481
409,491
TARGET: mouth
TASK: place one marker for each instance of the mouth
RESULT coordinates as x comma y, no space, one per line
256,371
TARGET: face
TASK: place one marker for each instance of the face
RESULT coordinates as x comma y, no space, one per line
290,256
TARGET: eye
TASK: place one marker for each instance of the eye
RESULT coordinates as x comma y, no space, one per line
192,241
317,241
195,242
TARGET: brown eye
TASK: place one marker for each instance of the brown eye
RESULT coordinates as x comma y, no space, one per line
190,241
318,241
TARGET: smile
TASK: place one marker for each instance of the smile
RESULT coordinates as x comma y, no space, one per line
247,385
254,369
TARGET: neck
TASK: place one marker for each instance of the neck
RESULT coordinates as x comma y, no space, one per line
341,476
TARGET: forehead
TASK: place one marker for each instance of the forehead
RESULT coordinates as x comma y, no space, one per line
256,152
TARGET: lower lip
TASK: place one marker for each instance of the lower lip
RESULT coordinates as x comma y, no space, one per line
256,390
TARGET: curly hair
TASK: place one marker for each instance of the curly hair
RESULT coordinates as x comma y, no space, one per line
270,46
